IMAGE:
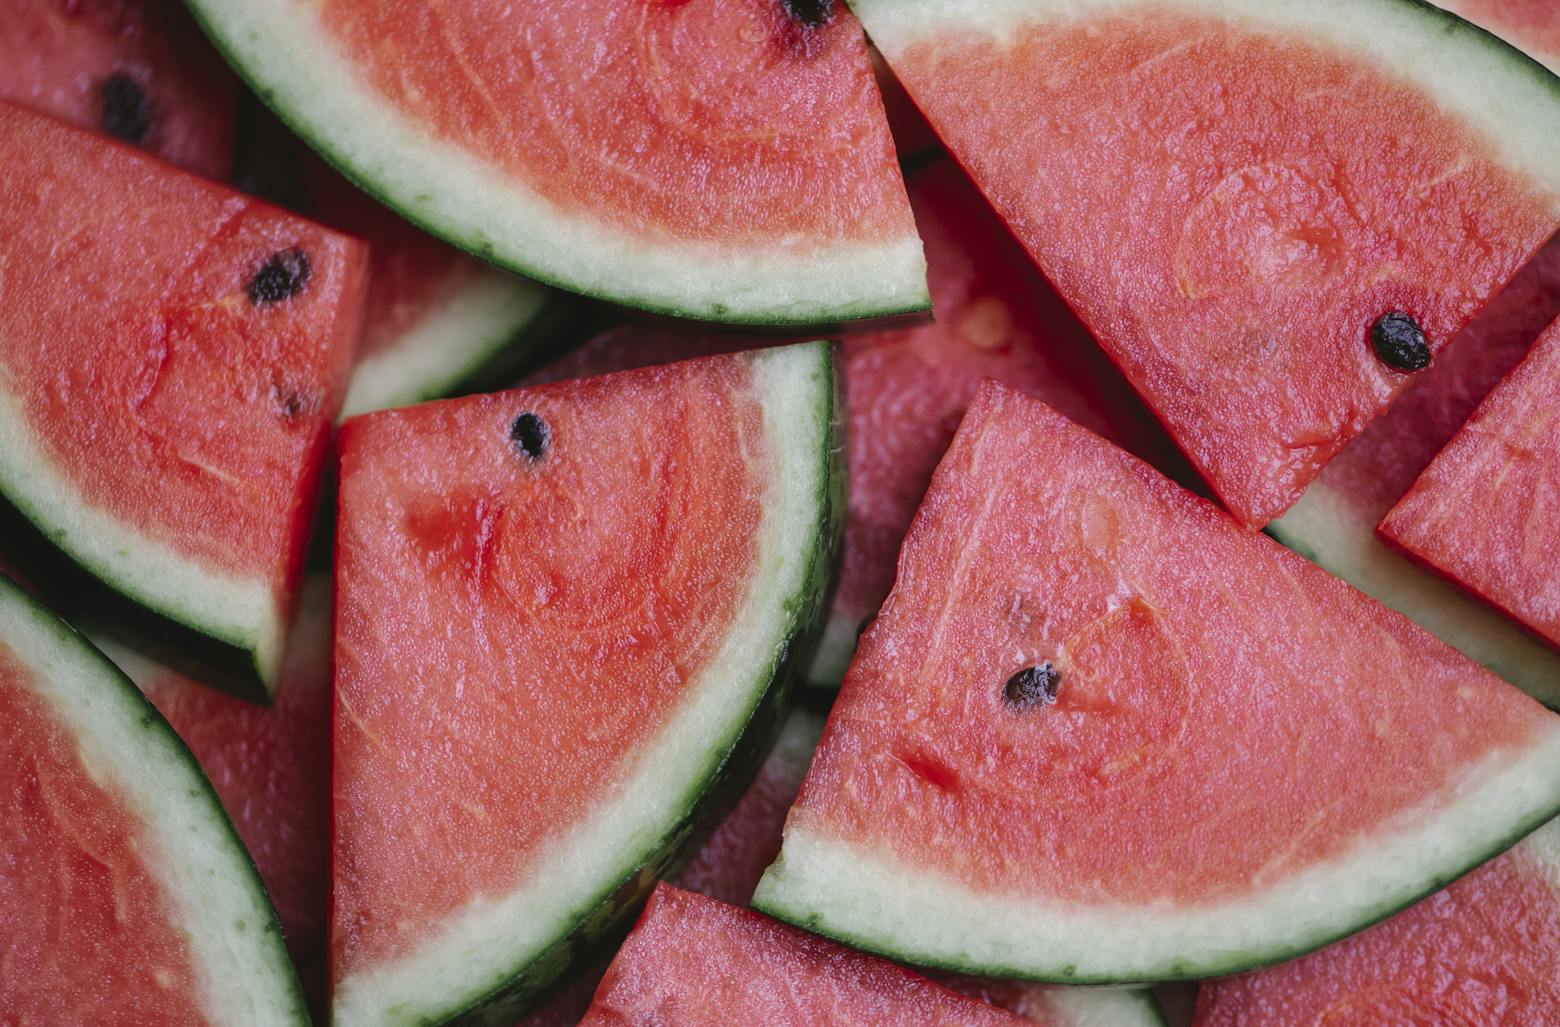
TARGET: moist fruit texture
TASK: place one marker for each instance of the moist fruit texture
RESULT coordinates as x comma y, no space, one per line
1486,950
1184,654
1486,512
136,70
560,610
726,160
167,384
1236,264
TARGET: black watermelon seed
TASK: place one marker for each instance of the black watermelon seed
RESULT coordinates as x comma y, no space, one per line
1032,687
1399,342
810,13
531,434
281,277
127,111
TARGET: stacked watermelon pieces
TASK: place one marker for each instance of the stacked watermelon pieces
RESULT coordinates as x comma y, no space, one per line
780,511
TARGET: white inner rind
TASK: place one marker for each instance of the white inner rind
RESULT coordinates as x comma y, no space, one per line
1324,528
1505,97
242,611
292,61
451,341
481,946
863,894
1103,1007
241,965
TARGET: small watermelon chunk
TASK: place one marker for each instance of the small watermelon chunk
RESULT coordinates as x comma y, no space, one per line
1334,524
727,160
1270,214
1100,733
1484,951
172,355
692,961
1486,512
564,614
137,70
125,896
1532,26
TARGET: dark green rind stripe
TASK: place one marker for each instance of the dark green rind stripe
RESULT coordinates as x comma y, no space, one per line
159,735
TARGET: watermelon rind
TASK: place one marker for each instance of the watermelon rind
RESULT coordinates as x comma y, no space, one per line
287,59
485,335
865,896
235,942
488,962
1325,529
1105,1007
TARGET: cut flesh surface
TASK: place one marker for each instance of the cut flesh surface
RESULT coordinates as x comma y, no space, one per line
167,382
1486,512
137,70
1486,950
1354,762
1234,265
1335,522
546,678
125,896
694,962
726,160
1532,26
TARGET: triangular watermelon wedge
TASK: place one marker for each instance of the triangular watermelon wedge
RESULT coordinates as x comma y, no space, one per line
727,160
125,895
566,615
172,355
1101,733
1532,26
1484,951
1271,214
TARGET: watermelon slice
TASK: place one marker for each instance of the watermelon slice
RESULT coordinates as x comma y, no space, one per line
137,70
1486,512
269,766
1335,521
564,615
1484,951
125,896
1533,26
726,160
1100,733
692,961
1270,214
168,380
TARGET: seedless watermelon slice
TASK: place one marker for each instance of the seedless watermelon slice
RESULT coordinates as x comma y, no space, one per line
1533,26
167,384
1486,512
1484,951
724,159
1237,195
125,896
137,70
1335,521
564,614
1100,733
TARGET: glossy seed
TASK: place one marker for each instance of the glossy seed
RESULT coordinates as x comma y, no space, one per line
126,110
531,434
1032,687
1399,342
281,277
809,13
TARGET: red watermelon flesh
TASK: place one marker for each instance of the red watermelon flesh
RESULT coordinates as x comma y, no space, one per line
905,390
138,70
692,960
1233,265
99,943
174,371
1483,952
1532,26
1186,652
1486,512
